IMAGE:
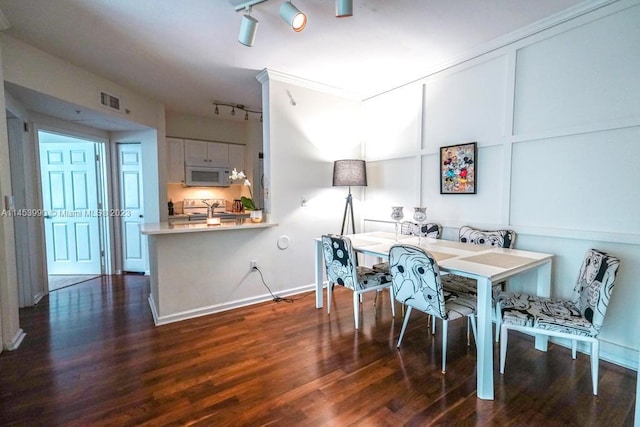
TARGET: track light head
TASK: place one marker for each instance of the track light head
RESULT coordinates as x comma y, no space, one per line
248,29
344,8
293,16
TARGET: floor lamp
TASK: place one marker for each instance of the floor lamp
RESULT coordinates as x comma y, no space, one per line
349,173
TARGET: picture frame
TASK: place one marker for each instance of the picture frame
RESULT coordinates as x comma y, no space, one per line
458,169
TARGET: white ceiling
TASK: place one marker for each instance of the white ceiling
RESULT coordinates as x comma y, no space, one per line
185,53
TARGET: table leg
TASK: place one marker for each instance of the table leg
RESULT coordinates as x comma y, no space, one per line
543,290
637,417
484,341
319,276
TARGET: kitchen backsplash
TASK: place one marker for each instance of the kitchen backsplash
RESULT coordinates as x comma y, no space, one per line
177,193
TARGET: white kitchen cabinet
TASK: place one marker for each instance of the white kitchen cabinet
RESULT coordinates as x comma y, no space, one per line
203,152
175,160
237,157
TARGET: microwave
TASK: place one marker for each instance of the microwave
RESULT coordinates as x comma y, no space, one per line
206,176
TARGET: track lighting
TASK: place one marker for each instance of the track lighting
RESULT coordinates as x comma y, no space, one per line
248,29
293,16
233,109
344,8
288,12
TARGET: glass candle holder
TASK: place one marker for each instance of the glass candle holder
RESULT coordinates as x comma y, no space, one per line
420,216
397,214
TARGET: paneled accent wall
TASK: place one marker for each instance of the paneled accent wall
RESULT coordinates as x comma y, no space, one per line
556,116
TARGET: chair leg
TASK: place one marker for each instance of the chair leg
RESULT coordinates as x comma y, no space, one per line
393,301
595,361
404,325
472,321
329,292
498,315
356,309
433,325
468,334
503,346
574,348
445,329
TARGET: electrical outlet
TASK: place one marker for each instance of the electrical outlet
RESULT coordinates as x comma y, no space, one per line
253,264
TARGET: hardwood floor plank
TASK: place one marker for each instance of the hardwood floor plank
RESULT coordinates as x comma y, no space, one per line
92,356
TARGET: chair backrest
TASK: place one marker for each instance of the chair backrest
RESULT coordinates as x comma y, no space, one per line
499,238
416,279
594,285
340,261
430,229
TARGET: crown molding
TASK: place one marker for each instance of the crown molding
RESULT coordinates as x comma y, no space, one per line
268,74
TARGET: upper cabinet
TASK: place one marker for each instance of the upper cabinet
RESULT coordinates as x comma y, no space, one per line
203,153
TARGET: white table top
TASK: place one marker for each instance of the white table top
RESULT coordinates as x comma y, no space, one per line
460,258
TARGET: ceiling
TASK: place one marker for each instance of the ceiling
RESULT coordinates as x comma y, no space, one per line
185,53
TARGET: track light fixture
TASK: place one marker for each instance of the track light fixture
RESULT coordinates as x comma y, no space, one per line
293,16
288,12
233,109
344,8
248,29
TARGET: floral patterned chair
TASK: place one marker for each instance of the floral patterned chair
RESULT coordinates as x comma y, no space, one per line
342,269
578,319
416,284
409,228
464,285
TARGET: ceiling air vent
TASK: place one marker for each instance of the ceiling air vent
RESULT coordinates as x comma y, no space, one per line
110,101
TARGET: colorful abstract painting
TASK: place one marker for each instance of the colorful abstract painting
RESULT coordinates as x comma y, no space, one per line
458,169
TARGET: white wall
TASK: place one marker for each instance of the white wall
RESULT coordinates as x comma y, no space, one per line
9,319
31,68
557,120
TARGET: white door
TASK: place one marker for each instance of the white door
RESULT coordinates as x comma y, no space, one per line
134,250
70,201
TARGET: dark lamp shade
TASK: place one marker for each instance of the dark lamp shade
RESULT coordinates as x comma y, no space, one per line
349,172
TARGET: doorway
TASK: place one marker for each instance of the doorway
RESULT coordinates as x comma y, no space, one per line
71,172
131,212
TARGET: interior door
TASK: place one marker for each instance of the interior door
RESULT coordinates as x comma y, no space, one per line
131,212
70,201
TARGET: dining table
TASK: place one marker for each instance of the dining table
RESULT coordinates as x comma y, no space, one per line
486,264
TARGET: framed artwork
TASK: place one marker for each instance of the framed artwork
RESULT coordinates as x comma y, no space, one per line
458,169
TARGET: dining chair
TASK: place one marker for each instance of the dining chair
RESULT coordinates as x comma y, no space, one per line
408,228
342,268
416,284
469,287
576,319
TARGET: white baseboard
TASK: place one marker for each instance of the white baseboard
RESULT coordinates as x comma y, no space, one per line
38,297
217,308
15,342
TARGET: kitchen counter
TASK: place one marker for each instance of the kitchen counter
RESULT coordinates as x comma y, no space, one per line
193,227
191,272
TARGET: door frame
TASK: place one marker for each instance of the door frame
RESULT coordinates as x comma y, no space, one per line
103,174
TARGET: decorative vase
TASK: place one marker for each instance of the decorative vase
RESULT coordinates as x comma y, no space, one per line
397,214
256,215
420,216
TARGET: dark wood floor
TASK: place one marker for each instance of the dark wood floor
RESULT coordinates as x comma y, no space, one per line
92,356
